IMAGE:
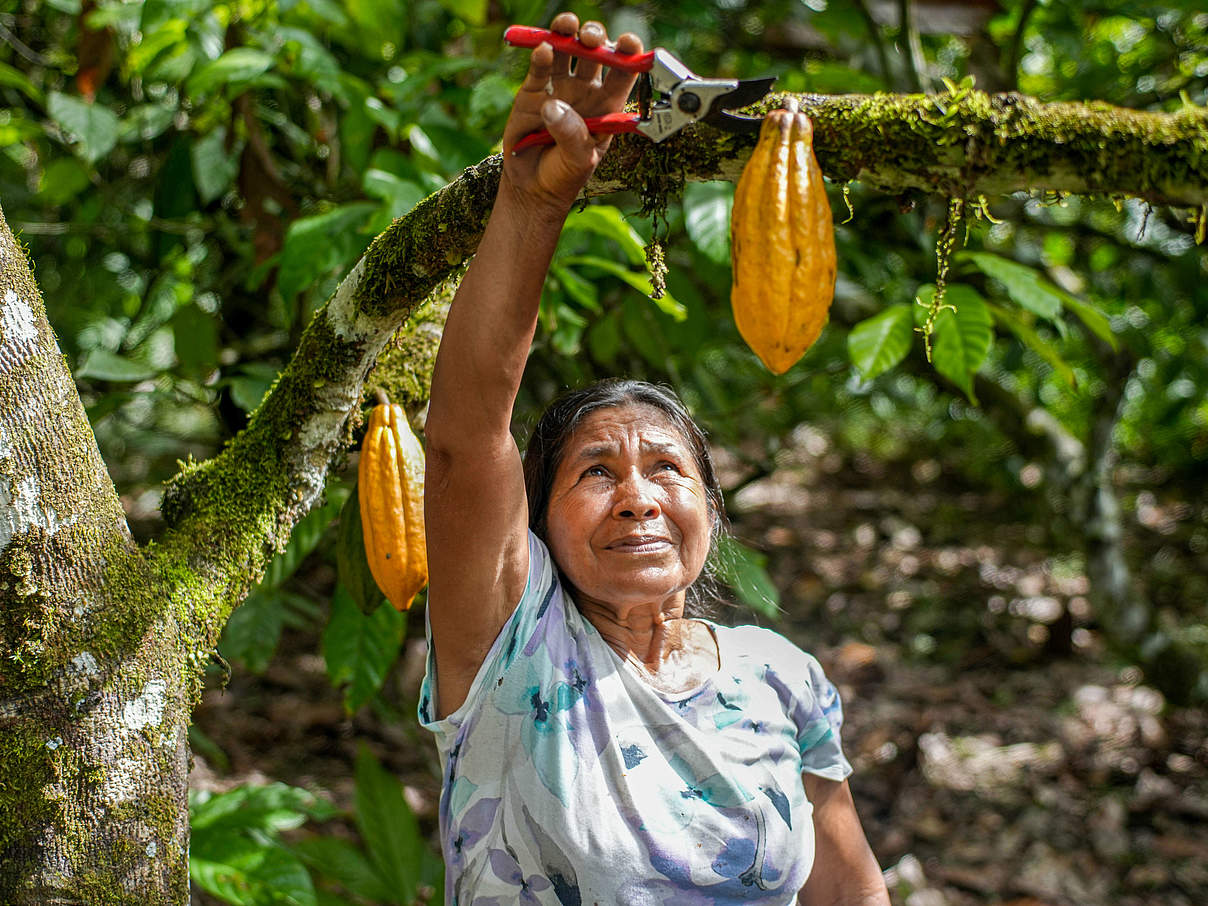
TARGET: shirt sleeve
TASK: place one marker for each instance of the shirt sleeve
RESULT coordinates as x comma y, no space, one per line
809,699
520,627
819,716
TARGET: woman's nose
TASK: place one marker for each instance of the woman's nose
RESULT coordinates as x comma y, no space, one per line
635,501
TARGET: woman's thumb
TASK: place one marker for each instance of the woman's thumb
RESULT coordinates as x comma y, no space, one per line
566,126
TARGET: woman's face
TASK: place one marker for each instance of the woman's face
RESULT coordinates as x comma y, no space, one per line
627,520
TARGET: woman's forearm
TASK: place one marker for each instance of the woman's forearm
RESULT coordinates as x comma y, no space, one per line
491,322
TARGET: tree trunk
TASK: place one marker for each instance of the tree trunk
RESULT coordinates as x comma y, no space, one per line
102,645
93,761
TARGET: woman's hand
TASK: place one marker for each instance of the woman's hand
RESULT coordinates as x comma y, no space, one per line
555,98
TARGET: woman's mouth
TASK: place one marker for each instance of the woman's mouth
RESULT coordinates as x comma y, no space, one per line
640,544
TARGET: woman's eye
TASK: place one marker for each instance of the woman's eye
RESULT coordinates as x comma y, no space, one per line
596,471
667,467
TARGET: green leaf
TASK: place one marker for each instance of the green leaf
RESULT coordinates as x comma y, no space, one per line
342,862
93,128
14,78
63,179
268,807
196,338
472,11
253,630
251,383
246,872
103,365
239,64
609,222
388,826
743,570
214,168
581,290
1094,319
400,195
641,328
360,648
639,280
352,567
145,122
1033,341
707,207
878,343
315,246
1025,286
963,337
491,99
604,338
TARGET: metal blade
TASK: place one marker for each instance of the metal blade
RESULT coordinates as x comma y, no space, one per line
748,92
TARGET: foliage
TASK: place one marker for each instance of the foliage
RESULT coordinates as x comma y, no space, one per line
238,854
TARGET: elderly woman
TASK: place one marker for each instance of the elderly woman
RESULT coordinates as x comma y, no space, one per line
599,744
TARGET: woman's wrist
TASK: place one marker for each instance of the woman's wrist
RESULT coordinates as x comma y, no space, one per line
529,211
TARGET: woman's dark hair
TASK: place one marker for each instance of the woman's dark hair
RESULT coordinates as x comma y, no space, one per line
558,423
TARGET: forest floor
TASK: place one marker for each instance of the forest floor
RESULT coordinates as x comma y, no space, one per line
1001,755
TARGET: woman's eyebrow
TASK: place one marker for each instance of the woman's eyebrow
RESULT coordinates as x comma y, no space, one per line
596,451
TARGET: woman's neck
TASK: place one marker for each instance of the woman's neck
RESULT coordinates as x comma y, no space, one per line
670,652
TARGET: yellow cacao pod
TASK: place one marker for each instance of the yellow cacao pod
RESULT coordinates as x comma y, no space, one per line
782,243
390,487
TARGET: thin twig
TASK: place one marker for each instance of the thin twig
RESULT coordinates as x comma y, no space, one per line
1016,50
878,41
914,48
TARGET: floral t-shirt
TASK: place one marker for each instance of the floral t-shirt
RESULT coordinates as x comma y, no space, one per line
570,780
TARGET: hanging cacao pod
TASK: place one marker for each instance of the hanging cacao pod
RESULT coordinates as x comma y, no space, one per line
390,488
782,243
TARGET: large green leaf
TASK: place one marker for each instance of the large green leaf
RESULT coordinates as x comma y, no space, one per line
639,280
1033,341
707,207
103,365
243,871
195,333
352,567
1023,284
609,222
251,634
92,128
214,167
962,337
743,570
360,648
878,343
14,78
239,64
388,826
62,180
341,861
269,807
472,11
315,246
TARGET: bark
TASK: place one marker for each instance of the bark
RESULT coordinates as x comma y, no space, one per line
93,761
103,644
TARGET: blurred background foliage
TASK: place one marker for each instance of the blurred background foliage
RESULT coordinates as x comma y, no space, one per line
193,178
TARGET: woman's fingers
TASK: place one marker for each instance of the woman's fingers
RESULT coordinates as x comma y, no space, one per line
618,83
591,34
563,24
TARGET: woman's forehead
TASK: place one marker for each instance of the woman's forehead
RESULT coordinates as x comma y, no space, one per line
632,423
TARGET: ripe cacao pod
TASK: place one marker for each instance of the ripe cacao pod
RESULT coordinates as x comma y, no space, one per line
390,487
782,243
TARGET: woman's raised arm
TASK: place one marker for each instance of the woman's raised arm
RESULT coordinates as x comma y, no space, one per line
474,506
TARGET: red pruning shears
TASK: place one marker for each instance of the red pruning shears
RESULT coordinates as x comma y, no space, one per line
683,97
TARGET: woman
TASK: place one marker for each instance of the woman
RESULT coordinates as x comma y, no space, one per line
599,746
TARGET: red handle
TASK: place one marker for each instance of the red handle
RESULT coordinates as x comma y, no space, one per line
609,123
525,36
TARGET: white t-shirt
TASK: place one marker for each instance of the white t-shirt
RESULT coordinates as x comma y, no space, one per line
570,780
